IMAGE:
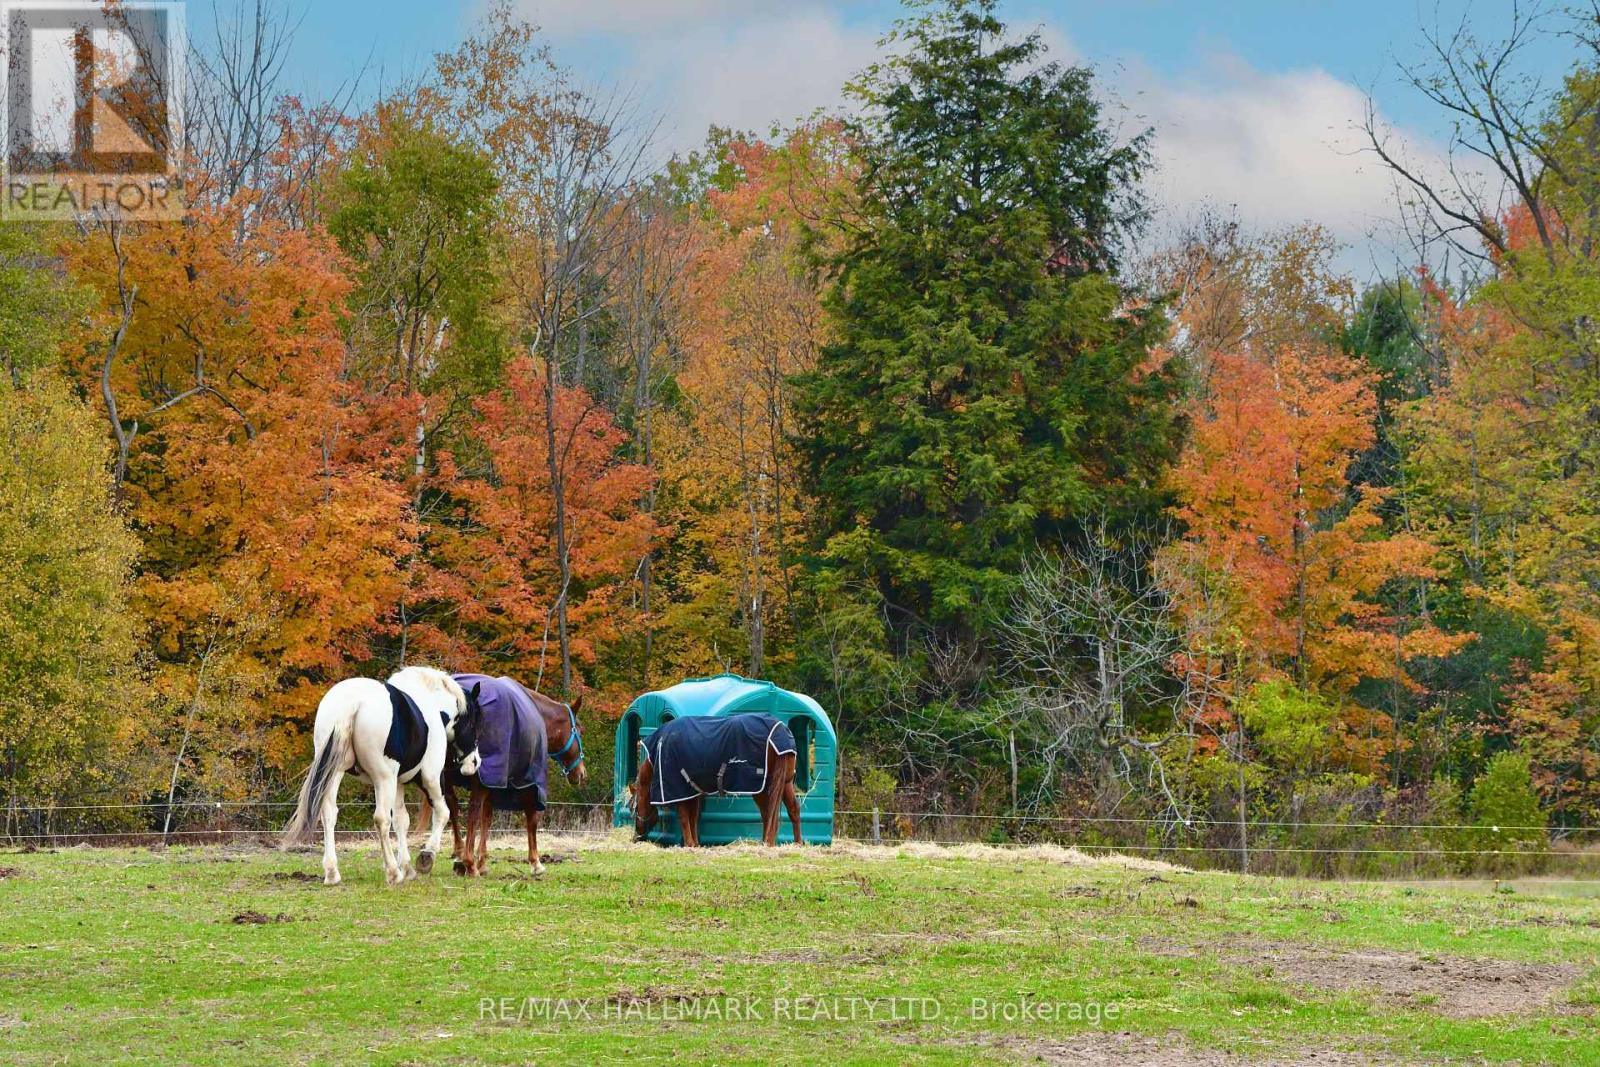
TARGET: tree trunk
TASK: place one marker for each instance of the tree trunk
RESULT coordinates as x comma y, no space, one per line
127,294
643,403
559,493
1244,818
755,606
183,746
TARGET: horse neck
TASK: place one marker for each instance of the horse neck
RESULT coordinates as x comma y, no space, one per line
557,726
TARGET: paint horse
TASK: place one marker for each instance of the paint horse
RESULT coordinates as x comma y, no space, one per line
388,734
520,729
691,758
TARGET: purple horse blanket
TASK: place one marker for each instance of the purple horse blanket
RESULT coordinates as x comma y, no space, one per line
511,742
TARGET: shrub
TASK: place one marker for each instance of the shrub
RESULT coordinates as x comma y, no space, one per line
1506,809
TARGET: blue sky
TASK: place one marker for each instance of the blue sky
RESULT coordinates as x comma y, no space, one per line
1253,103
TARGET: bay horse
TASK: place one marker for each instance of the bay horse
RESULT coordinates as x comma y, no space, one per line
561,743
701,753
385,733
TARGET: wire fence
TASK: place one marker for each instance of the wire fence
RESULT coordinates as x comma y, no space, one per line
883,813
1264,846
248,822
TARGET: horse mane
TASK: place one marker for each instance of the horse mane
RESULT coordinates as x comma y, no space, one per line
434,678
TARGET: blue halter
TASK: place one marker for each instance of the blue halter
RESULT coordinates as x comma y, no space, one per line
573,738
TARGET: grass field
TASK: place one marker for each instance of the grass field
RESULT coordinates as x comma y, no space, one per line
921,955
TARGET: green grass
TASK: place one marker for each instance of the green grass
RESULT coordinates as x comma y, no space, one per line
132,956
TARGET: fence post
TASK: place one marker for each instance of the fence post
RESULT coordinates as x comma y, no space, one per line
877,831
1013,770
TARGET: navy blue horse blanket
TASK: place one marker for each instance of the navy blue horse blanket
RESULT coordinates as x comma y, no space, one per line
511,742
714,755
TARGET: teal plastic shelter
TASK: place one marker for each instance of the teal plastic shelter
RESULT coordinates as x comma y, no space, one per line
726,819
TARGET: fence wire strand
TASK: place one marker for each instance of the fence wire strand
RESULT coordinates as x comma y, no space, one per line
188,807
194,805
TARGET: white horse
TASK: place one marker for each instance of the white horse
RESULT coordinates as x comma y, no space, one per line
356,732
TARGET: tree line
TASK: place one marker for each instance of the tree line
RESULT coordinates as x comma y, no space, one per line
901,407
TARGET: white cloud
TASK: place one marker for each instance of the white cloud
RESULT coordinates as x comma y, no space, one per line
753,75
692,64
1280,148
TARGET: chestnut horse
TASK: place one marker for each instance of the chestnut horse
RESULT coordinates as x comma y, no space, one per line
564,747
778,788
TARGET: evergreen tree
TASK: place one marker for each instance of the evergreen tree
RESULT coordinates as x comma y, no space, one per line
1385,335
991,384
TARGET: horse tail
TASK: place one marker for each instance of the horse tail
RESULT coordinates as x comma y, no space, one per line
333,754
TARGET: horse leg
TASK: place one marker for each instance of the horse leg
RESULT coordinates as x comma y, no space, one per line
689,822
485,816
767,799
330,819
433,807
469,863
384,789
531,815
792,802
767,804
402,833
452,803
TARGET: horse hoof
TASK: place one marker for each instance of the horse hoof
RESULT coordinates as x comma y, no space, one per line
330,878
425,863
458,866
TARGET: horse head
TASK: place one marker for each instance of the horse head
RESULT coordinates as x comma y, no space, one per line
569,754
463,733
644,812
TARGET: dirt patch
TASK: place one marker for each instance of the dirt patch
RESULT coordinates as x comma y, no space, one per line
861,882
1463,988
9,872
1456,986
293,876
625,999
1551,920
256,918
1136,1050
814,957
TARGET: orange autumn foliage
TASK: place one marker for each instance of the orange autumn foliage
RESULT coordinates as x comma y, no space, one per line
496,561
1283,560
257,475
752,319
